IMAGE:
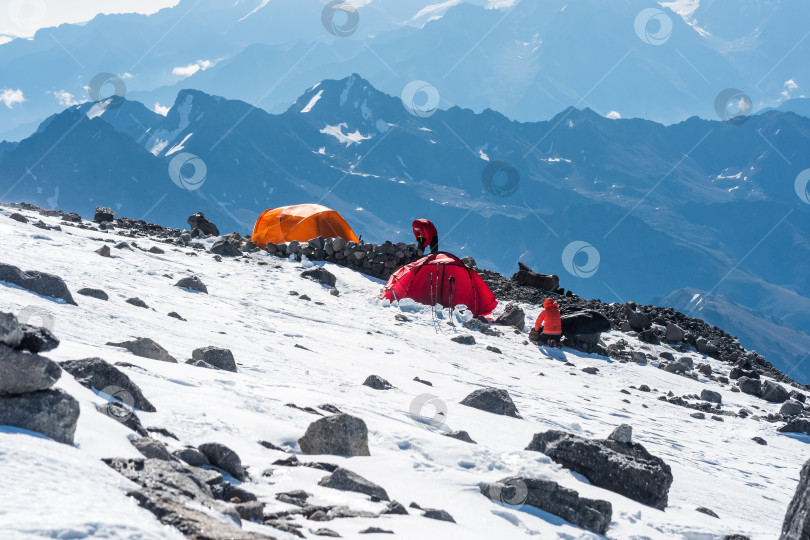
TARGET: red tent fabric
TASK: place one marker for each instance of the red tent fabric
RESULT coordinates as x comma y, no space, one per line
441,279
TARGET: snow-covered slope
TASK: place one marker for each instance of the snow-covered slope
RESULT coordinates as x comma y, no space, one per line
249,309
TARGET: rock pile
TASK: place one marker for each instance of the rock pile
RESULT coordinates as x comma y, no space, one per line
27,399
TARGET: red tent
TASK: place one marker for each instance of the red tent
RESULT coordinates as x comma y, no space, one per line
441,279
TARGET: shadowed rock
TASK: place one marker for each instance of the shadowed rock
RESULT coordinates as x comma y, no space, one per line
625,468
223,457
321,275
338,435
200,222
151,448
22,372
94,293
100,375
145,348
797,519
377,383
37,282
590,514
216,356
494,400
192,283
347,480
53,413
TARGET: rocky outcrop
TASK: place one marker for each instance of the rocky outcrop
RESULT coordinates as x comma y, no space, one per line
199,222
145,348
347,480
37,282
590,514
338,435
525,276
625,468
494,400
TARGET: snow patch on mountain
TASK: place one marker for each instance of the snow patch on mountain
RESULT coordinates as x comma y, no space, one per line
312,102
348,138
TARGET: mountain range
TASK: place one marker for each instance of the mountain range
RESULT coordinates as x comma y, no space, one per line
526,59
620,209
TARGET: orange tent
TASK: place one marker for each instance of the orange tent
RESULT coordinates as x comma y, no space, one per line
300,222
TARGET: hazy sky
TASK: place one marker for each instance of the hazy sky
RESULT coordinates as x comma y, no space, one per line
24,17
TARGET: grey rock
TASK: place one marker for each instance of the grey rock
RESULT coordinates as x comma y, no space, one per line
590,514
321,275
395,508
200,363
704,346
175,315
124,415
37,339
760,440
797,519
375,530
774,392
11,333
326,532
192,456
199,221
698,415
72,217
791,408
639,357
494,400
705,369
470,263
137,302
223,457
494,349
377,383
94,293
706,511
192,283
461,436
590,370
18,217
749,386
796,425
711,396
37,282
104,251
464,339
687,361
338,435
347,480
251,510
103,215
145,348
513,316
627,469
53,413
225,248
639,321
166,479
439,515
674,333
100,375
622,434
676,367
666,355
584,323
150,448
217,357
22,372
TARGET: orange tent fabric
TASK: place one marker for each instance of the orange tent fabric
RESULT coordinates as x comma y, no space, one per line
300,222
441,279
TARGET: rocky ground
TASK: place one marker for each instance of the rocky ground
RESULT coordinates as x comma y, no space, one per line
305,407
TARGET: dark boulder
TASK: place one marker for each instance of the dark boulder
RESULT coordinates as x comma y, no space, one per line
145,348
137,302
377,383
11,333
494,400
625,468
639,321
103,215
749,386
53,413
347,480
797,425
22,372
460,436
321,275
797,519
94,293
583,323
704,346
192,456
192,283
674,333
37,282
791,408
711,396
100,375
37,339
513,316
338,435
150,448
526,276
216,356
226,248
18,217
439,515
200,222
774,392
590,514
464,339
223,457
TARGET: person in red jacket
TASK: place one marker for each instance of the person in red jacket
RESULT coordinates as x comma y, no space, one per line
549,320
426,235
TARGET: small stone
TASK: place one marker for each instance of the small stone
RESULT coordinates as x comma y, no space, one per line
104,251
760,440
192,283
622,434
441,515
644,388
496,350
339,435
152,449
94,293
590,370
217,357
461,436
377,383
706,511
346,480
176,315
223,457
711,396
137,302
465,339
494,400
698,415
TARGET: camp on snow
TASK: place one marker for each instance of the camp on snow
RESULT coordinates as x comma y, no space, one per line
301,222
441,278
